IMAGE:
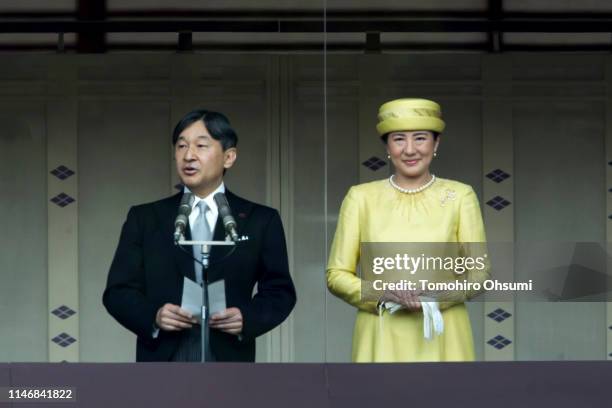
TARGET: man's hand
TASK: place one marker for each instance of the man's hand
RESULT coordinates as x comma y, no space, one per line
228,321
171,317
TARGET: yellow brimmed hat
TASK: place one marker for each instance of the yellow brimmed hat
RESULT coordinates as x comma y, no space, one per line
409,114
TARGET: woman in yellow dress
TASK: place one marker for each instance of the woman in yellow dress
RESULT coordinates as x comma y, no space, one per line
411,206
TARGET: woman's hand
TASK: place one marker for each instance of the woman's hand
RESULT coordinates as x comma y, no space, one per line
409,299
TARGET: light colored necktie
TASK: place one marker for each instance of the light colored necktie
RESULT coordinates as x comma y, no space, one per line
200,231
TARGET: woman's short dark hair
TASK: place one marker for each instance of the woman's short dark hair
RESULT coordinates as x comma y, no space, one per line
385,137
216,123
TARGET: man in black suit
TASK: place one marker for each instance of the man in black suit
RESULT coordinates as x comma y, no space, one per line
145,281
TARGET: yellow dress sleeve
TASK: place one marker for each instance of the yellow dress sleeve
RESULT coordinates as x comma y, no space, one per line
470,227
342,279
471,232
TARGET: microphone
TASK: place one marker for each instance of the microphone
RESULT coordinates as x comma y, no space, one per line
180,223
226,215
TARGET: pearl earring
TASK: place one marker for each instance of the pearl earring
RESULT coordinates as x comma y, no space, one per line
388,156
435,154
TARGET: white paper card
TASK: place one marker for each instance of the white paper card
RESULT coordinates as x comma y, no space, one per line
192,297
216,296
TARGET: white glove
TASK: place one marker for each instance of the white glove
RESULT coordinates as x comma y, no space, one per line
431,318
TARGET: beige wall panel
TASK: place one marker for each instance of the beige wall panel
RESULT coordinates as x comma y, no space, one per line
309,246
63,251
343,172
123,161
23,243
555,66
422,67
498,155
559,198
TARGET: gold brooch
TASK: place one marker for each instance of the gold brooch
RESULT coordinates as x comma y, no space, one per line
447,195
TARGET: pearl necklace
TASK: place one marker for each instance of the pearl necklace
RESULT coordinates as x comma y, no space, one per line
412,190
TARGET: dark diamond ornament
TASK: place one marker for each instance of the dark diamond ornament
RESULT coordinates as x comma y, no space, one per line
62,200
374,163
62,172
497,175
63,340
63,312
499,342
499,315
499,203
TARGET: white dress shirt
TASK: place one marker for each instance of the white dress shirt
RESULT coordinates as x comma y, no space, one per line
213,210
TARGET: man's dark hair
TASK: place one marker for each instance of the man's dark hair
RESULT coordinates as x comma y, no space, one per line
216,123
385,137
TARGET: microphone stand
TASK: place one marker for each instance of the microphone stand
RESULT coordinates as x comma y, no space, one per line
206,248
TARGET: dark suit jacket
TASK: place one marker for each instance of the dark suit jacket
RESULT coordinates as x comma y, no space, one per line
147,272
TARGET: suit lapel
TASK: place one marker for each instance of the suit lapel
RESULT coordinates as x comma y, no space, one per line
218,235
241,210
